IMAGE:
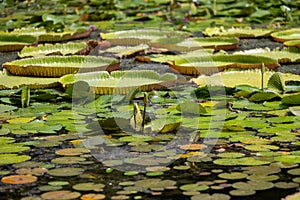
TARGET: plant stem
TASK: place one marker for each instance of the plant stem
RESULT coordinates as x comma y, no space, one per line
263,69
146,97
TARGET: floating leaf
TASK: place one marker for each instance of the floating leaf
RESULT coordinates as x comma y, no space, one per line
194,187
253,185
239,161
286,35
44,36
291,99
288,159
6,108
243,32
285,55
215,63
122,51
140,36
231,155
292,43
57,66
192,44
19,179
88,186
92,196
46,49
6,159
66,171
122,82
263,96
295,171
233,78
12,42
214,196
240,192
295,196
72,151
286,185
61,194
193,147
233,175
13,82
68,160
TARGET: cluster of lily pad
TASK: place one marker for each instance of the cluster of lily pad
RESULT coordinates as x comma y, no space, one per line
254,127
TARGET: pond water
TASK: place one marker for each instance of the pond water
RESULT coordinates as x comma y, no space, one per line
77,151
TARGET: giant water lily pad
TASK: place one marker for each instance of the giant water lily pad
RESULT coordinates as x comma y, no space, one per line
292,43
48,49
233,78
191,44
215,63
13,82
244,32
57,66
121,82
286,55
13,42
286,35
139,36
44,36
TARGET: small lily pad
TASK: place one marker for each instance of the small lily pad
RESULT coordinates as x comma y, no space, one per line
286,185
240,161
193,147
61,194
68,160
194,187
242,192
89,186
214,196
19,179
72,151
6,159
233,175
66,171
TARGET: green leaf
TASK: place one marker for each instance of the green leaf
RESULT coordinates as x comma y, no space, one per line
241,32
121,82
235,78
292,99
48,49
286,35
276,82
263,96
6,108
57,66
12,42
